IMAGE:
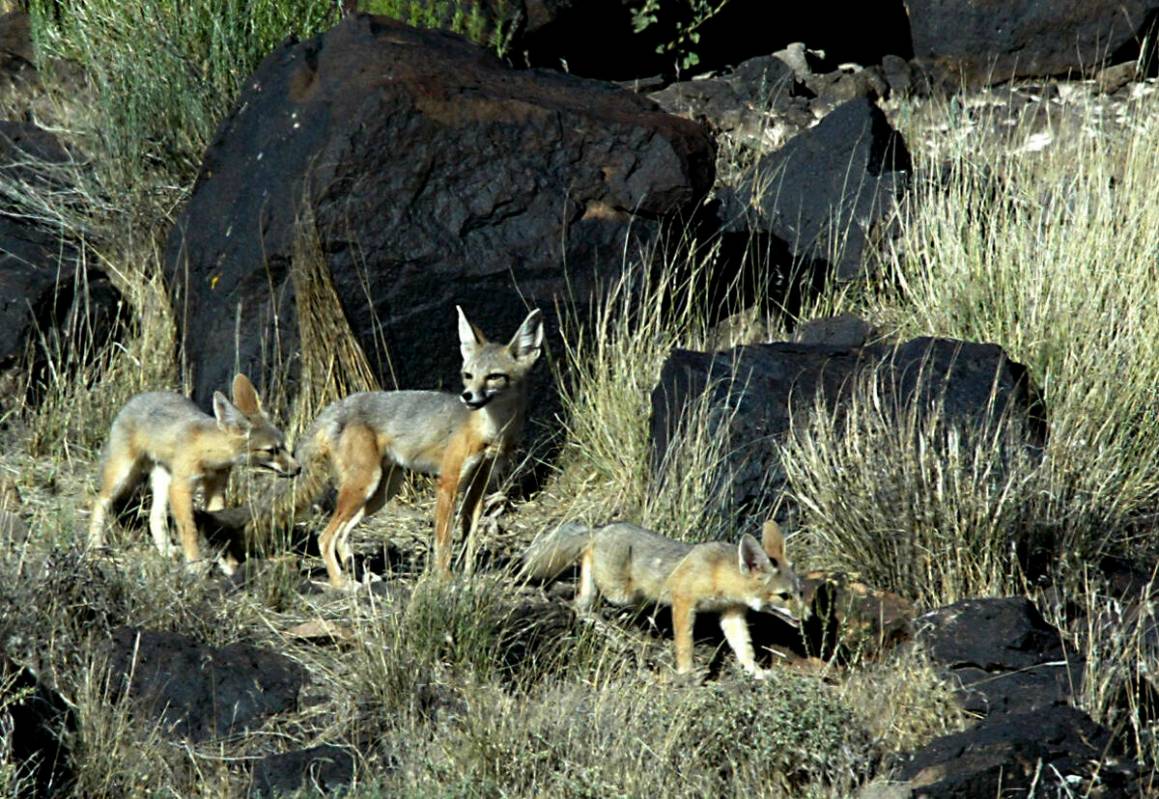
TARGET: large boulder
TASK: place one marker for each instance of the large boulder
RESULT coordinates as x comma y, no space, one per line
754,392
51,303
1058,750
1014,672
434,176
998,40
820,196
1002,654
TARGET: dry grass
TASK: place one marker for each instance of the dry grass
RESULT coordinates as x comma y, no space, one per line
479,686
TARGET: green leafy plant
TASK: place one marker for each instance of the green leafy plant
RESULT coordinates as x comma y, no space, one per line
683,22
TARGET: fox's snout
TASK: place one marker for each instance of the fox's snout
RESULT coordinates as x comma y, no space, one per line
281,463
474,399
287,466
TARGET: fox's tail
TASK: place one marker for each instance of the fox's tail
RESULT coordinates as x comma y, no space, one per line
550,554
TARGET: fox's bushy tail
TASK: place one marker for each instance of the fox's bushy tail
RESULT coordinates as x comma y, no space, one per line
550,554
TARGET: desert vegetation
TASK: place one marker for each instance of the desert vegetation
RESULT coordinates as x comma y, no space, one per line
482,686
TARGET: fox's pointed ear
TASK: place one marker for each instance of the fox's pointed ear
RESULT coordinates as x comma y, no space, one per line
245,397
228,416
471,338
773,542
750,555
527,343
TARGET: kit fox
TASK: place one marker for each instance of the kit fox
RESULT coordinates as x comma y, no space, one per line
362,443
629,565
183,450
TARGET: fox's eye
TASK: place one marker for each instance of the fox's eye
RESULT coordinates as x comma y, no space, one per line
785,596
467,376
496,376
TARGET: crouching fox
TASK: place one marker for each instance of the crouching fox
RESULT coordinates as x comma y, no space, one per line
628,564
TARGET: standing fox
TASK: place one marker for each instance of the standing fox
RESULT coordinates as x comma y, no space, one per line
631,565
363,441
184,449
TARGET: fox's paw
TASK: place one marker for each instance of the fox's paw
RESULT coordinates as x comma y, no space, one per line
198,568
227,565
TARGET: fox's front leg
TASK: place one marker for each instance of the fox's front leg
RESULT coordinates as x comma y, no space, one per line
683,617
181,506
451,476
448,489
736,632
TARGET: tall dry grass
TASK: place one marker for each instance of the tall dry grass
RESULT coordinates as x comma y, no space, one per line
1048,254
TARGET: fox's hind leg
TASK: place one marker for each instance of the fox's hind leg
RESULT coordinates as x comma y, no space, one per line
586,596
118,475
359,472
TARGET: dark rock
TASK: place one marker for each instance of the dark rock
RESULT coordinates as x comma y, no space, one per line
1007,633
1005,755
1002,653
991,42
755,390
841,85
824,191
434,176
37,723
51,304
800,59
981,692
19,81
16,49
202,692
1111,79
325,769
733,99
899,76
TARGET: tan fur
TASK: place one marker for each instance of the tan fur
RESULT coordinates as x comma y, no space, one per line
182,449
366,439
628,564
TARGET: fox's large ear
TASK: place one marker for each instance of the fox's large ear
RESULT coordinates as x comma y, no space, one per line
773,542
471,338
228,416
751,557
528,340
245,397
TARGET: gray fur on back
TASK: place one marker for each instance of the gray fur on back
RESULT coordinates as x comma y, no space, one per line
624,542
